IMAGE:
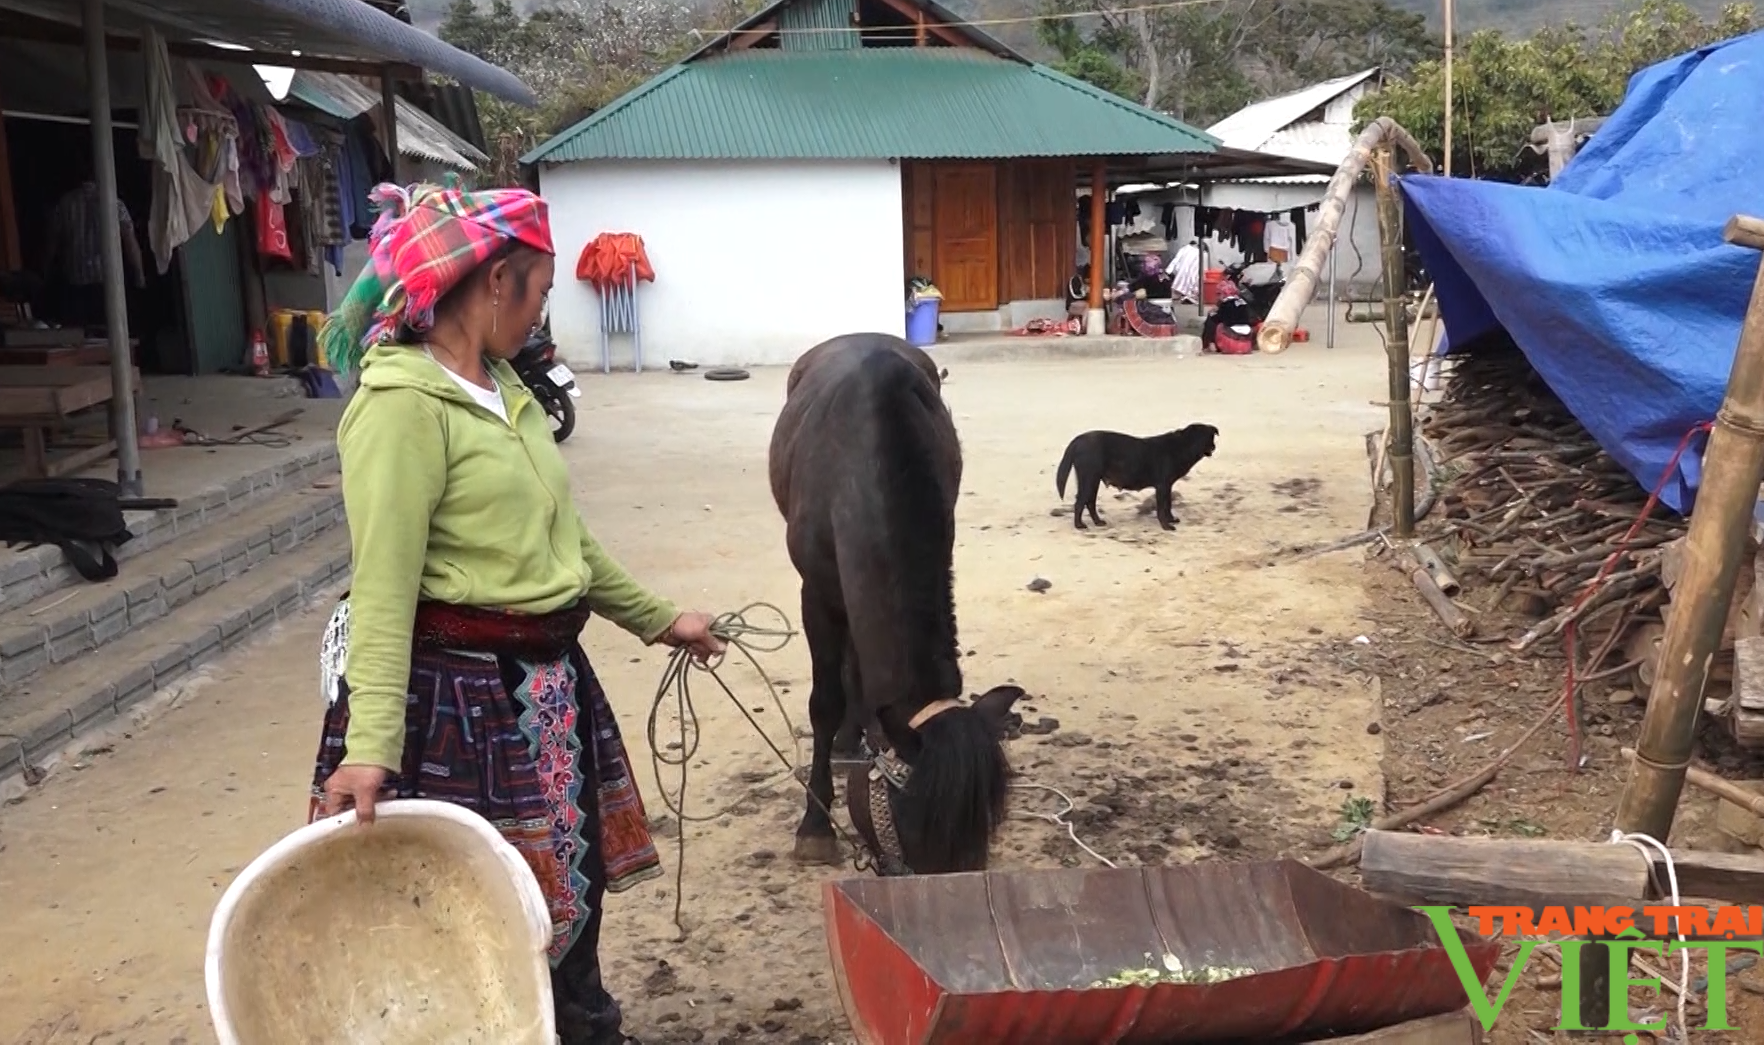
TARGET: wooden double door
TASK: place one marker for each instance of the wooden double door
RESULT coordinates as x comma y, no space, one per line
990,233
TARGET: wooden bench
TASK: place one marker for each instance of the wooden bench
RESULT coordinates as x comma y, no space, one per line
36,400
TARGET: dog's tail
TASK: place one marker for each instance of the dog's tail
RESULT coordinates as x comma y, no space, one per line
1065,470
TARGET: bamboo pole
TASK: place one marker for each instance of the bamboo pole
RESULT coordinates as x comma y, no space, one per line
1733,467
1396,348
1283,318
1450,27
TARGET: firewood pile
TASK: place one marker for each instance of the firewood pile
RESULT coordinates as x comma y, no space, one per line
1530,508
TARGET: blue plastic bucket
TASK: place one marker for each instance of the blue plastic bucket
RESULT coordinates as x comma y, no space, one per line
921,323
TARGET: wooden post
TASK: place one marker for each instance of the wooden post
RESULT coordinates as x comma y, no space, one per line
389,110
1733,466
1396,344
1099,205
1283,318
116,300
1450,21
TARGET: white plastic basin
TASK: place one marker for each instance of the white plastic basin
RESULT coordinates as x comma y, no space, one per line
423,927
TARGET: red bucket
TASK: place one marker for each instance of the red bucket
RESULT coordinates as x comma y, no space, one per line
1210,286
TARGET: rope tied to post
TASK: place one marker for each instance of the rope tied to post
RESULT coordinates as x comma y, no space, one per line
1571,632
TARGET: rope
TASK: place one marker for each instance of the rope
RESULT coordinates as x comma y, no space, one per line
1641,842
1571,633
1059,819
675,686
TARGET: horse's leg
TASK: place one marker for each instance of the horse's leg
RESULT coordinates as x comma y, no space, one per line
826,635
846,743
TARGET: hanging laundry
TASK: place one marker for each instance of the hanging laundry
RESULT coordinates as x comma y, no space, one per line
1185,272
1168,220
183,200
607,260
272,229
1298,228
1278,239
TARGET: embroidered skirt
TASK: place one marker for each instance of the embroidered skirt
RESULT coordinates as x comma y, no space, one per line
504,717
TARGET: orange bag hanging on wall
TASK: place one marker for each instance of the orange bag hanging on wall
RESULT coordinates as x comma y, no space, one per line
272,229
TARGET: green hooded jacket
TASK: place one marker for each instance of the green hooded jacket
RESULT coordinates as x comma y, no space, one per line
448,503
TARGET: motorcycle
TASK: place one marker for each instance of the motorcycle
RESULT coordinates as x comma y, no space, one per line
1259,296
551,381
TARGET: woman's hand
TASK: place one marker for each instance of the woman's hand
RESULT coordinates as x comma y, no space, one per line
692,630
360,784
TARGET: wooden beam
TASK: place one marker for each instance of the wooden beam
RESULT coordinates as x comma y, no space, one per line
1533,873
1501,872
746,38
11,256
1099,249
917,15
1454,1028
42,30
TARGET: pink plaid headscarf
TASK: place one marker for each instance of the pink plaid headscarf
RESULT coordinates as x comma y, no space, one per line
425,241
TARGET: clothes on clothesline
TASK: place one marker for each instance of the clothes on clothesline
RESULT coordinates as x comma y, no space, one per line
1185,272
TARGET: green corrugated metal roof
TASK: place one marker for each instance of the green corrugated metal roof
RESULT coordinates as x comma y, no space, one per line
876,103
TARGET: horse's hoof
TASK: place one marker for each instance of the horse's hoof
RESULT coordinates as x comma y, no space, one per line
817,850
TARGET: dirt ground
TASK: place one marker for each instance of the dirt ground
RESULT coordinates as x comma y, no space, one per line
1202,706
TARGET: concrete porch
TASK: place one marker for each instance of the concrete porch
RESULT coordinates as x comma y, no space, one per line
255,534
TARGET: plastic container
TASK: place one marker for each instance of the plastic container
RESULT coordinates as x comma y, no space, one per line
921,323
1210,281
315,322
446,927
281,324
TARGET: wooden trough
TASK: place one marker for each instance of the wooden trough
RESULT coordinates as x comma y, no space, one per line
1013,958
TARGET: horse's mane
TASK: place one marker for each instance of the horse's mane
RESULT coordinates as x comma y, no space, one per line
917,524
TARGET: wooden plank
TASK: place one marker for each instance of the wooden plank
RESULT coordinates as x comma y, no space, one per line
1734,877
1454,1028
1529,873
1501,872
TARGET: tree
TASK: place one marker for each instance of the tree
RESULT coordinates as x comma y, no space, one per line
574,56
1503,88
1201,62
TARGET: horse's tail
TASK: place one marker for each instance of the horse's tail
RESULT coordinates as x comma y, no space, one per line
1065,469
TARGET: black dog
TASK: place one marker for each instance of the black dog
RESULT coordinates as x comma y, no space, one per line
1127,463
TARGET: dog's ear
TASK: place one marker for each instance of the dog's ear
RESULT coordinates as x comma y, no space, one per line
994,706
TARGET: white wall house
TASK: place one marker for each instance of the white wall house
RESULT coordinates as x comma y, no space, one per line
790,177
1313,124
756,261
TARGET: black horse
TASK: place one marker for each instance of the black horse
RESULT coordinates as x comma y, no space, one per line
865,467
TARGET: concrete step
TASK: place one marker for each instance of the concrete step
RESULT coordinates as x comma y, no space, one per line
46,712
62,625
32,573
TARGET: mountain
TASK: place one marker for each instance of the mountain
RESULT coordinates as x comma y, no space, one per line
1522,16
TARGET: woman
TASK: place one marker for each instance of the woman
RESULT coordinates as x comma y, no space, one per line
453,664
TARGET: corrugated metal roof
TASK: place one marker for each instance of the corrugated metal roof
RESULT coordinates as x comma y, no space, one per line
1255,127
819,25
331,28
419,134
895,102
935,15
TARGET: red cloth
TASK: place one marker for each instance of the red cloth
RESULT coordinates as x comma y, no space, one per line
606,261
272,229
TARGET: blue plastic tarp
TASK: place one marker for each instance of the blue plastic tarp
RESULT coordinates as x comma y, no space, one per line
1614,281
